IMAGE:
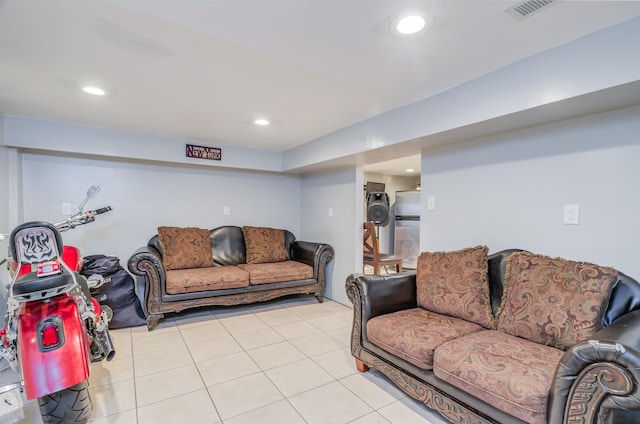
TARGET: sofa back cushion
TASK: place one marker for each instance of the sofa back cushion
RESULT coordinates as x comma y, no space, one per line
554,301
455,284
264,245
625,298
497,269
227,245
185,247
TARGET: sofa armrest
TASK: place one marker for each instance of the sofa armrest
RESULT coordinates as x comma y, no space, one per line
146,262
377,295
599,379
316,255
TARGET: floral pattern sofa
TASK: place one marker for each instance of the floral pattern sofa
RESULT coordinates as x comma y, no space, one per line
184,268
511,337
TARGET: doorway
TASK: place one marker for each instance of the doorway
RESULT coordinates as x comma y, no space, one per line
394,177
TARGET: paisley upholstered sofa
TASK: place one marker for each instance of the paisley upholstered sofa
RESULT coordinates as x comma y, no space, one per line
184,268
511,337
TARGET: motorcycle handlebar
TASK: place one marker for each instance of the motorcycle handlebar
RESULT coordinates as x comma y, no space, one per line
80,219
74,221
102,210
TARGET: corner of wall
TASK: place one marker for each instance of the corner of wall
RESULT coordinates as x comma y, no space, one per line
4,207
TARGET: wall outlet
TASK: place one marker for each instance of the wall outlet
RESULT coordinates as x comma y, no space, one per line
571,215
65,209
226,211
330,213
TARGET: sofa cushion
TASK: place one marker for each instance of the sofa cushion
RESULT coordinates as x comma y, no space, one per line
264,245
455,284
202,279
185,247
277,272
413,334
509,373
554,301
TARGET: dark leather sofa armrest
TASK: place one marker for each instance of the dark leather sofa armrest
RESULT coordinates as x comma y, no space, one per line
146,262
600,378
377,295
317,255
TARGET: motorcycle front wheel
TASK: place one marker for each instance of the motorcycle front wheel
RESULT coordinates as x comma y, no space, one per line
71,405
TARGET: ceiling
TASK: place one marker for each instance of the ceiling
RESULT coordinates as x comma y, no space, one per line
204,70
408,166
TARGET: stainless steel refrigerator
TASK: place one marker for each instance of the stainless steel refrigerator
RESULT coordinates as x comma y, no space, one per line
407,227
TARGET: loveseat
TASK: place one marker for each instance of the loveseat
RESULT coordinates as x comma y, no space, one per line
511,337
184,268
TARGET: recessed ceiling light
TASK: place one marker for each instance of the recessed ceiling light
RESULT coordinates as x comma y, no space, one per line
97,91
410,170
262,122
411,23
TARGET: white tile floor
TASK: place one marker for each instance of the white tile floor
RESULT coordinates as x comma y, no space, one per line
284,361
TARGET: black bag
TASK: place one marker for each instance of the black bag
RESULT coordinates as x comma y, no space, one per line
120,291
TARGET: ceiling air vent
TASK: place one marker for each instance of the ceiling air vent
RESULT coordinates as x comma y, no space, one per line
524,9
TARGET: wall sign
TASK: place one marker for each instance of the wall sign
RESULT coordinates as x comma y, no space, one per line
204,152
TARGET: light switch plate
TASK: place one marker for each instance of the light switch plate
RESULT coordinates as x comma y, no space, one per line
431,202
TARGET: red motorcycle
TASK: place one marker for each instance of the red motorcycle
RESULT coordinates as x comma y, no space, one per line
53,328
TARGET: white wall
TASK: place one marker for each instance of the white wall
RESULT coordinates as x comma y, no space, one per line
146,196
508,191
4,185
35,134
341,191
4,211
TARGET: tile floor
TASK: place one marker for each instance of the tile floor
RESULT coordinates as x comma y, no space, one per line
283,361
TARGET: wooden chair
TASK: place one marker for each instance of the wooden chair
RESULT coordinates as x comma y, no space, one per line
371,252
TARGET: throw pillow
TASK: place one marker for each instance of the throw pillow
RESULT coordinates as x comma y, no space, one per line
554,301
264,245
456,284
184,248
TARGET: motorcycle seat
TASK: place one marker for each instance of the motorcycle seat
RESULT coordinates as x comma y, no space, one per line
44,287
